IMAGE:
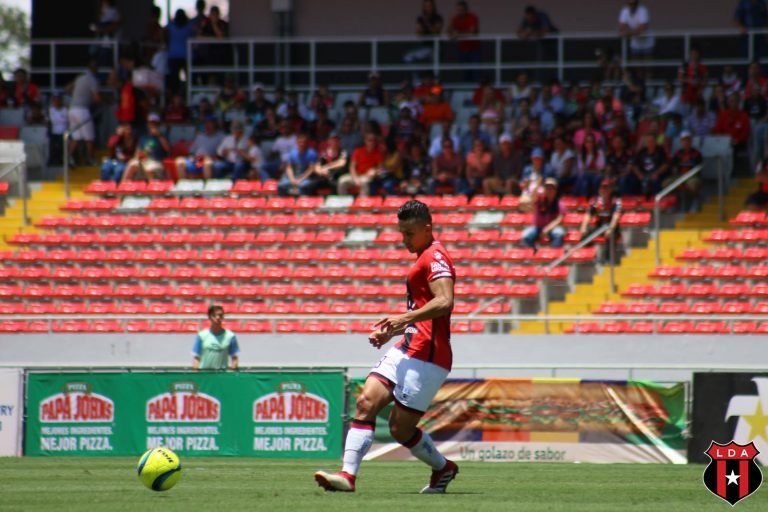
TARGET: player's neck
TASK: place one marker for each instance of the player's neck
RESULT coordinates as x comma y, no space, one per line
431,242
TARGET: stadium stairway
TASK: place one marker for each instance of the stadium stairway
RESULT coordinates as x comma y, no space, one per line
45,199
635,267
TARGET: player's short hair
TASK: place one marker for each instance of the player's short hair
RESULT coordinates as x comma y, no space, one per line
213,308
415,210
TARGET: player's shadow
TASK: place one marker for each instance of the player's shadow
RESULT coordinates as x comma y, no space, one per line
446,494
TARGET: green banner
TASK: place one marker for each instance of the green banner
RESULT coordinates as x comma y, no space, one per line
280,415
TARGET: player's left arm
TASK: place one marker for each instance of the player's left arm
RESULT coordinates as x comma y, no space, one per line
440,305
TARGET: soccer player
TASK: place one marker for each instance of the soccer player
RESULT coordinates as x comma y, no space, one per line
412,371
213,346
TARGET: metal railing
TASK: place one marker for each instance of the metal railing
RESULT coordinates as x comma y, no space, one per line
668,190
19,168
543,289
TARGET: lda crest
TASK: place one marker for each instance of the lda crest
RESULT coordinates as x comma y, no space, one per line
732,474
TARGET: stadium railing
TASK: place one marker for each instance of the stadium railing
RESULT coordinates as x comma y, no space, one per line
16,166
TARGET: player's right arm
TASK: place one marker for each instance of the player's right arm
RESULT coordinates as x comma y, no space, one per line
196,353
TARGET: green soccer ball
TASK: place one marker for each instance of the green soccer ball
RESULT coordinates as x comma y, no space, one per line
159,469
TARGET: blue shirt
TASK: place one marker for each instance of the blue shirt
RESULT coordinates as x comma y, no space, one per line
468,139
177,40
233,350
752,14
300,161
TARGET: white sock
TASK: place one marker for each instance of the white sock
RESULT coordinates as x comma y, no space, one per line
423,448
359,439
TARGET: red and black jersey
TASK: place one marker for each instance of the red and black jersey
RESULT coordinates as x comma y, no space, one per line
429,340
684,160
603,210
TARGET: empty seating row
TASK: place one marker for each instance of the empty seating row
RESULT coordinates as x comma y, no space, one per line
725,254
711,272
191,326
754,219
282,255
174,238
245,307
270,273
696,290
683,308
214,291
740,236
670,327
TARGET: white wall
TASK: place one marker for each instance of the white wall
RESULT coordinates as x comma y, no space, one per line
355,17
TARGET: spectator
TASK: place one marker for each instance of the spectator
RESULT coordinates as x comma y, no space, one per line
633,93
132,103
350,136
674,128
436,145
618,160
467,139
233,154
286,140
269,127
152,150
685,159
425,87
406,99
758,200
589,127
107,30
533,176
752,15
548,106
332,163
322,127
326,96
649,169
548,214
618,126
603,209
291,100
215,345
634,23
609,64
180,30
718,101
225,98
755,106
58,118
365,163
478,166
25,93
491,110
562,161
417,167
154,34
177,111
374,95
591,166
447,171
535,24
200,18
520,90
405,128
693,75
203,111
85,95
257,108
486,88
203,149
436,109
212,26
388,177
299,169
521,117
733,122
756,80
428,25
701,121
730,80
255,160
465,24
669,101
506,169
531,137
121,147
295,119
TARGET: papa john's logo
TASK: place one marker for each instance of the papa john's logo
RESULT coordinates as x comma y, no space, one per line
732,474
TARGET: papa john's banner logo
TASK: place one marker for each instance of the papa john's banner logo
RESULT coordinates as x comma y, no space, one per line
732,474
183,403
77,403
290,403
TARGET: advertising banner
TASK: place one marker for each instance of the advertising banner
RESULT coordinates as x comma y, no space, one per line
549,420
284,415
729,407
11,411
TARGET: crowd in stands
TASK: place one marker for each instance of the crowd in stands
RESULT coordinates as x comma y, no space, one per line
520,136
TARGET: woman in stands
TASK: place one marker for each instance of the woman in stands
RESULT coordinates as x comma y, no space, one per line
562,163
491,111
447,171
478,166
590,163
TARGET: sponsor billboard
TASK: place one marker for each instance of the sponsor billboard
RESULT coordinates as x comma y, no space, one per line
729,407
291,415
11,410
549,420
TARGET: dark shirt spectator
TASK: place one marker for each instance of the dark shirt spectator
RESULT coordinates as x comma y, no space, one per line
177,111
755,105
25,93
758,200
374,95
200,18
648,170
214,26
618,159
693,74
417,167
751,14
429,22
535,24
257,108
322,127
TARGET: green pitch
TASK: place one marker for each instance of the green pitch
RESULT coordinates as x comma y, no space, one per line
223,485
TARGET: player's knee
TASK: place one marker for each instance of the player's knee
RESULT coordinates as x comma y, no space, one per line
364,405
401,433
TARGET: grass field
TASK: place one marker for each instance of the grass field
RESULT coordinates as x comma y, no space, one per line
229,485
